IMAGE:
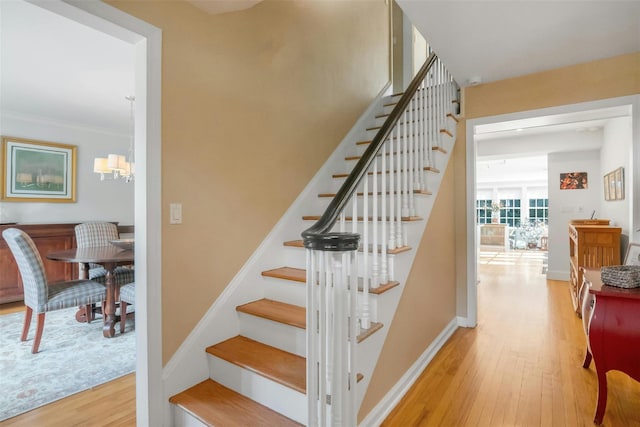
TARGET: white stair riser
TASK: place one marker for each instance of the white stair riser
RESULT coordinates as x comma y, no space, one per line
282,399
285,337
182,418
286,290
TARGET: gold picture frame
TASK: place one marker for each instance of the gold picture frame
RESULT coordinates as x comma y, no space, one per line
614,185
37,171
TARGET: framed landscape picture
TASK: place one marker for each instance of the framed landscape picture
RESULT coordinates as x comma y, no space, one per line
37,171
605,185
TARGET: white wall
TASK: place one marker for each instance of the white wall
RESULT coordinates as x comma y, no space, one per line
96,200
616,152
565,205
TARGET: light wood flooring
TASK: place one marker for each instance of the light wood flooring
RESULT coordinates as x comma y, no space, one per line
520,367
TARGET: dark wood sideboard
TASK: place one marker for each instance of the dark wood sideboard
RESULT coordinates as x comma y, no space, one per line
47,238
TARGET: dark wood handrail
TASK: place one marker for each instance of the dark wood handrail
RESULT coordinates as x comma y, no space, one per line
313,235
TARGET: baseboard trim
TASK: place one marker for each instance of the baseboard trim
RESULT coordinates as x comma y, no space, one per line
391,399
558,275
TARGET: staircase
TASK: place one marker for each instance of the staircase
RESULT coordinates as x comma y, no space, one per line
258,376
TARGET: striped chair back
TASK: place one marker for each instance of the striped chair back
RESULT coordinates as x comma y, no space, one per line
34,279
95,234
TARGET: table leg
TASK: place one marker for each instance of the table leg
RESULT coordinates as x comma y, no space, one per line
109,311
82,315
602,397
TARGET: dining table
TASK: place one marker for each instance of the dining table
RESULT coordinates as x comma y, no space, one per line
109,257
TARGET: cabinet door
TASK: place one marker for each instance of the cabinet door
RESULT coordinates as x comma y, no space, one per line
10,283
56,271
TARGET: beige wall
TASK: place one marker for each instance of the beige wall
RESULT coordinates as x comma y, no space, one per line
428,301
253,103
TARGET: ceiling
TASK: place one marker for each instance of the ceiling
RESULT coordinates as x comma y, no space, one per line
485,41
55,69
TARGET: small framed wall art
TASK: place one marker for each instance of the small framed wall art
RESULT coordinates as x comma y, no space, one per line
573,181
613,185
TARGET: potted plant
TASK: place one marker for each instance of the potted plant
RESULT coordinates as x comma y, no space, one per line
495,212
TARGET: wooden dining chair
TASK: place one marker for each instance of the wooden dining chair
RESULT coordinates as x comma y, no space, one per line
97,233
41,297
127,297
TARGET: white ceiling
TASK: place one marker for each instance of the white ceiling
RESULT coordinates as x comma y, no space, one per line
495,40
55,69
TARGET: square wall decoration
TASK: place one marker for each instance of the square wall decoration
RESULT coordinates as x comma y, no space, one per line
573,181
614,185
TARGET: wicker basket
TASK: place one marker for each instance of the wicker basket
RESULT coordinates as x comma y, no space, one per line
621,276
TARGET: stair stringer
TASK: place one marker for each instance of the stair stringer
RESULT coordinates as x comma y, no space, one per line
387,303
189,365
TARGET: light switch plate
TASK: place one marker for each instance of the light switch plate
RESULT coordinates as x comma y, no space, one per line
175,213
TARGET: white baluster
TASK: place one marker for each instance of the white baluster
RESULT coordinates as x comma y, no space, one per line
339,340
351,418
375,273
405,167
398,205
383,214
410,154
312,341
322,348
392,195
365,321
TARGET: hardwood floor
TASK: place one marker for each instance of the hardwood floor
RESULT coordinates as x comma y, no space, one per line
110,404
522,366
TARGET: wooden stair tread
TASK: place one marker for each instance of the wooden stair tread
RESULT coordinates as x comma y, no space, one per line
370,193
404,218
344,175
280,366
287,273
382,288
439,149
288,314
366,333
300,275
214,404
300,244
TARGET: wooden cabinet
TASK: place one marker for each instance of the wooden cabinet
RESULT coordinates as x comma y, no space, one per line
47,238
610,318
493,234
590,246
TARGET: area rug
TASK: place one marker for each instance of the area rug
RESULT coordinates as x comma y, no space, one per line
73,357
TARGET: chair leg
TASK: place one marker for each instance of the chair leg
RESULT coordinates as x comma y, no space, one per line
90,314
123,316
27,322
39,329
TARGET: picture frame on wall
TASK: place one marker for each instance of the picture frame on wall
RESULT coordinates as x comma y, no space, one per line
37,171
614,185
619,176
632,257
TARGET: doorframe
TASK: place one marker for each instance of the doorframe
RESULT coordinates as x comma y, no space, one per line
151,408
471,149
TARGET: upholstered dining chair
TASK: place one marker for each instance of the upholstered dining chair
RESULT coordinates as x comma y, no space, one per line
40,296
127,297
99,234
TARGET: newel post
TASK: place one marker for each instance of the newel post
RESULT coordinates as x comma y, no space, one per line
332,287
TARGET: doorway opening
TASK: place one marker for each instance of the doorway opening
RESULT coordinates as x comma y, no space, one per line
567,137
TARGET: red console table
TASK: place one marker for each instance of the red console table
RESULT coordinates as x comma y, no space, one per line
611,317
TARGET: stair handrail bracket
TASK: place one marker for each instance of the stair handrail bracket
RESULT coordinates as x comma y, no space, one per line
349,256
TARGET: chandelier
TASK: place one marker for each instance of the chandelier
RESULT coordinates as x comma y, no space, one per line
117,166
